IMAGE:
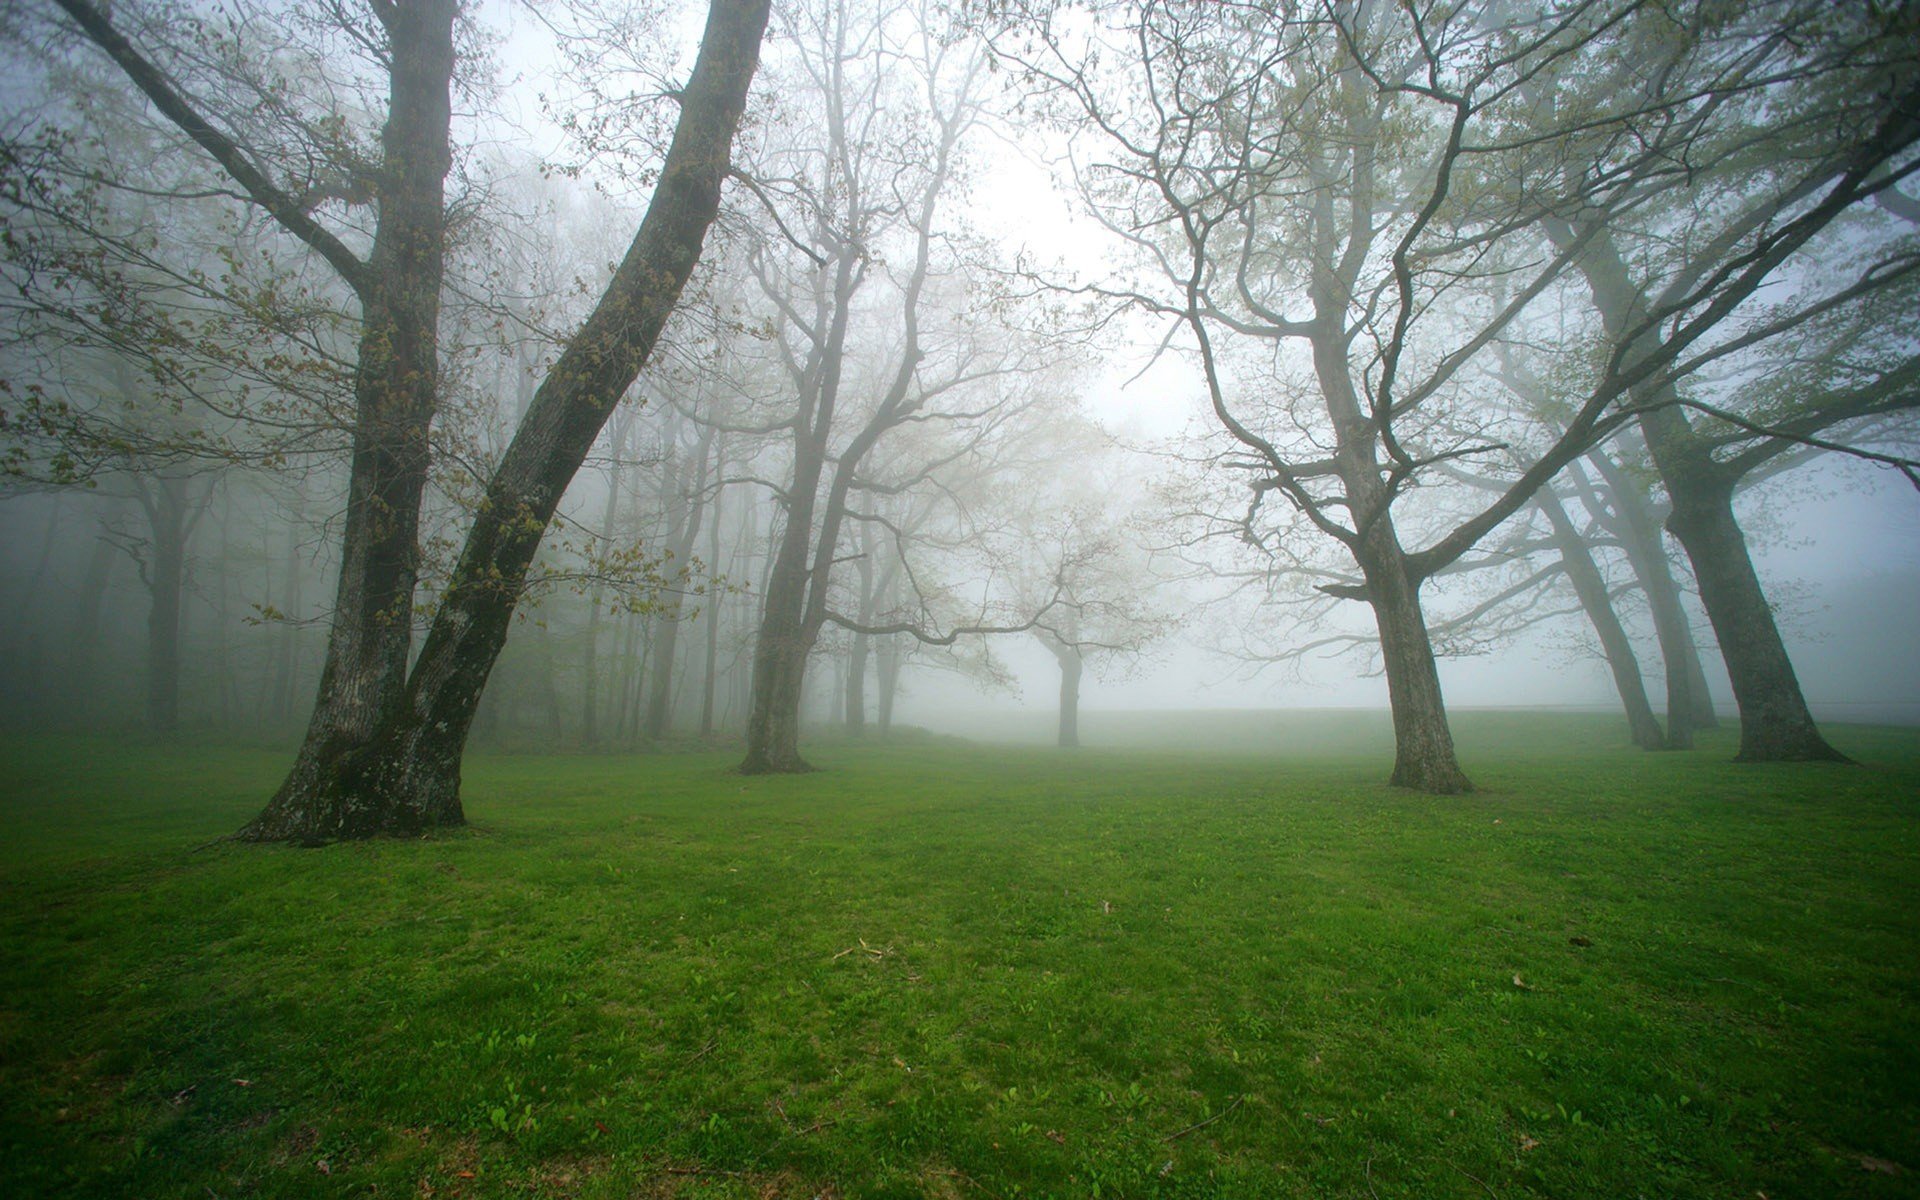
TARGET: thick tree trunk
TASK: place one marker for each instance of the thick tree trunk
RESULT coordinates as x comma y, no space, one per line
1775,723
1423,757
779,682
407,776
1423,744
1071,666
1591,587
396,389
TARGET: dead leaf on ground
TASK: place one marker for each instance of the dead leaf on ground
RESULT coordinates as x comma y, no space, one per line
1879,1166
1527,1143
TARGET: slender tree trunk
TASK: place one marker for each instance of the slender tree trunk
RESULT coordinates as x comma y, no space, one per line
887,675
1591,587
407,777
1689,704
172,512
590,659
694,507
786,636
85,636
861,648
166,571
716,603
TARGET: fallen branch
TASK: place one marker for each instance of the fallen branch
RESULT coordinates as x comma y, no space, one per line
1237,1101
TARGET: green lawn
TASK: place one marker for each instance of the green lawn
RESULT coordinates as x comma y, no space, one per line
939,969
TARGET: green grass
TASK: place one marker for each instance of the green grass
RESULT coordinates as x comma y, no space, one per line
938,969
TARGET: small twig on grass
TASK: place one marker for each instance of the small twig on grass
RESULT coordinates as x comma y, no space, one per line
1470,1175
1237,1100
701,1053
862,946
970,1181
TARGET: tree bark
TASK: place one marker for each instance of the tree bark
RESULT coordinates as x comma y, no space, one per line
407,777
1071,666
1775,723
396,390
1423,753
1689,704
1591,587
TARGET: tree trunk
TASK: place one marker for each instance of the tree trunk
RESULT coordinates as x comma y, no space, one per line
85,635
396,389
1775,723
1689,704
660,702
590,659
887,676
1071,666
172,512
407,777
1591,587
1423,757
166,571
716,599
773,730
786,636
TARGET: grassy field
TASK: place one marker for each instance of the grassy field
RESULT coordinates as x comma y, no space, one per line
948,970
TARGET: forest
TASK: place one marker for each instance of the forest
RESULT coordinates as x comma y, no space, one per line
813,598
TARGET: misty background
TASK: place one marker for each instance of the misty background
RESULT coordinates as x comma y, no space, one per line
169,529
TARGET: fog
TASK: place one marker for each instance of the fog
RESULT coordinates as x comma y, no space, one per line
1199,352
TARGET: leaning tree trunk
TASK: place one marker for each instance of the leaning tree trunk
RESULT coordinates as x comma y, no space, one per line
1689,703
406,778
1775,723
1591,587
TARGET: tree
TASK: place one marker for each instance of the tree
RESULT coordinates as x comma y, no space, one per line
1327,201
865,240
406,776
